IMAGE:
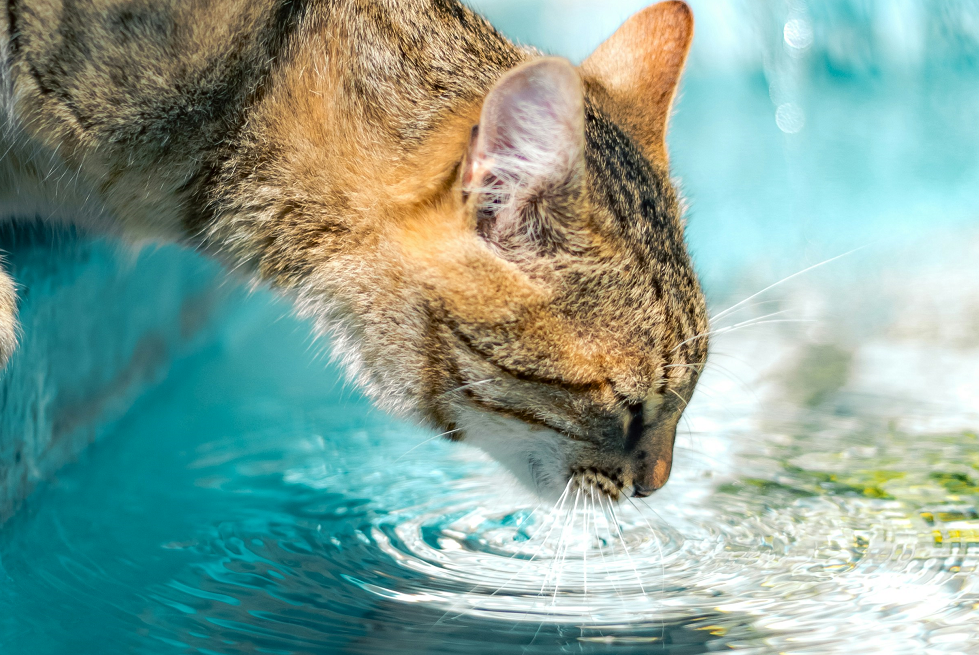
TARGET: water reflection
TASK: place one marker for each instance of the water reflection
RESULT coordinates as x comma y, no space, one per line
812,507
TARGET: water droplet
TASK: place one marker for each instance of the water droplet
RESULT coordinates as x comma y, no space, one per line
790,118
797,34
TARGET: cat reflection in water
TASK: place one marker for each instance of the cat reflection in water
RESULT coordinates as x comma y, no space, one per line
490,236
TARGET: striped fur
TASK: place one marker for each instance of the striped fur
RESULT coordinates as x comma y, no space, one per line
322,148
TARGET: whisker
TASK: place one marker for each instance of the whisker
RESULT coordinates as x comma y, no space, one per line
690,433
584,552
716,353
752,305
695,366
558,505
674,392
567,546
749,321
728,328
783,281
433,438
734,378
557,550
626,548
735,328
601,548
657,514
700,366
558,562
705,390
467,386
543,543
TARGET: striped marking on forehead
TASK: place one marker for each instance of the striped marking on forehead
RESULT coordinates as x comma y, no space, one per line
637,194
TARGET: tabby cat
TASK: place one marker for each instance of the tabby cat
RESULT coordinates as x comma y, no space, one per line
490,235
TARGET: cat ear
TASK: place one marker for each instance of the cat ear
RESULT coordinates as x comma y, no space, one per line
639,67
529,144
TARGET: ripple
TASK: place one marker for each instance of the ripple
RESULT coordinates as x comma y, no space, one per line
803,534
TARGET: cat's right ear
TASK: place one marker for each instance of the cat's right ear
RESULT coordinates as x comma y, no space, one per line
528,148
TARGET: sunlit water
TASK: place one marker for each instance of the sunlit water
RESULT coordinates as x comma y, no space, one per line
253,505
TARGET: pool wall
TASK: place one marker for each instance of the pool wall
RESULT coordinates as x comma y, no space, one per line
100,325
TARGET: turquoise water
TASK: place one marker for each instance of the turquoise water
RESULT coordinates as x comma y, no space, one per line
222,518
825,497
251,504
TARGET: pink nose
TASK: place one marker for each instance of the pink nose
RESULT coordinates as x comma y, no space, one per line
660,474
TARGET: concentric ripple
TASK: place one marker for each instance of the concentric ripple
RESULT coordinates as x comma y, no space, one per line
246,527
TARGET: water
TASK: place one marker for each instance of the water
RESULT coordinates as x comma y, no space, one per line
812,509
825,496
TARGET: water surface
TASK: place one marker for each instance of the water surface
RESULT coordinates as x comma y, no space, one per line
223,517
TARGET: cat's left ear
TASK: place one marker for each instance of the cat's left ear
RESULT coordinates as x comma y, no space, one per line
528,149
639,68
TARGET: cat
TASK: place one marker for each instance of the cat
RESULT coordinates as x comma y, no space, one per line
489,235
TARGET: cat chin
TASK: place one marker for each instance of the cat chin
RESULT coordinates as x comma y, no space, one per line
535,456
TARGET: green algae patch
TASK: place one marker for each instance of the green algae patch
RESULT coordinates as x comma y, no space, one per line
806,483
959,484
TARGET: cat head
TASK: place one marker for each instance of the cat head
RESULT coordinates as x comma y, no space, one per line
562,322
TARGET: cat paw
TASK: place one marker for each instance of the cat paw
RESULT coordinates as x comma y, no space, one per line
8,318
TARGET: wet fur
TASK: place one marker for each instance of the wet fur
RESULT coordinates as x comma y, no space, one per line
317,146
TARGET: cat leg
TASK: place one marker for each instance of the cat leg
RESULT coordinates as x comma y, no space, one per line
8,317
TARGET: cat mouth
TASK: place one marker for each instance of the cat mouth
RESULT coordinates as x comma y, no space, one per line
591,480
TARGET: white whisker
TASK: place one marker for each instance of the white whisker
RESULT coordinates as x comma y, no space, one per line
557,550
584,552
626,548
750,321
559,504
727,328
467,386
783,281
432,438
601,548
682,400
564,555
752,305
694,366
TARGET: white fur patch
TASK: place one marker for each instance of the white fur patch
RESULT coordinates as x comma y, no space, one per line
534,455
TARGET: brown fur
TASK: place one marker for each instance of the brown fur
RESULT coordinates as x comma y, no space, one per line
645,60
319,146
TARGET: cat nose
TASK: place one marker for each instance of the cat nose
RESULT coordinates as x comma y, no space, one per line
652,480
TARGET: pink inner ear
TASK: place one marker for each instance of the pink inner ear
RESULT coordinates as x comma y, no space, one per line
531,130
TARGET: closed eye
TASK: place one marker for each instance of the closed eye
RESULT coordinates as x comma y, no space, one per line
521,414
525,375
